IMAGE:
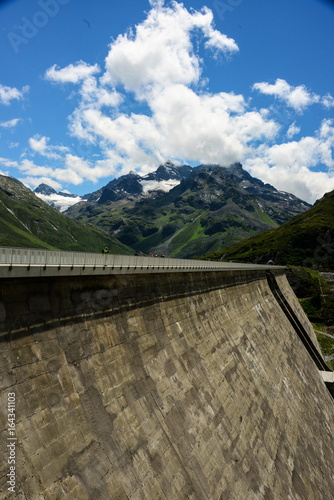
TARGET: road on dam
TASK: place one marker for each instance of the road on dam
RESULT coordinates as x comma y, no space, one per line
23,262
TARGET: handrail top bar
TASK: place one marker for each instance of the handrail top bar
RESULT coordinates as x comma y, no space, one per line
20,261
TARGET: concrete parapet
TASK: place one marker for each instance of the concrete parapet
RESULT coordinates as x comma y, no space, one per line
328,377
42,263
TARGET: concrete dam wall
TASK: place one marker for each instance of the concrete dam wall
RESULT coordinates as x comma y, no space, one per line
167,386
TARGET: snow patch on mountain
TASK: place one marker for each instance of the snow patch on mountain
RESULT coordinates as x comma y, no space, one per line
159,185
59,201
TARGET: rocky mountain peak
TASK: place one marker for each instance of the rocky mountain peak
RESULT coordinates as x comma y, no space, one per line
168,163
134,174
45,189
169,171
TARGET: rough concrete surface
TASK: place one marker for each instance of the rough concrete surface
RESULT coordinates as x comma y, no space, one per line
175,386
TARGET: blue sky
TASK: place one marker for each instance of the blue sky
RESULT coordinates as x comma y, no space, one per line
91,90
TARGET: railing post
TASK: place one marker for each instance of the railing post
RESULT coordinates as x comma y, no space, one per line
29,260
11,259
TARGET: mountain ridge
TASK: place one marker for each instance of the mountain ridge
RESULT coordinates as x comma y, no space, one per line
211,207
27,221
131,185
305,240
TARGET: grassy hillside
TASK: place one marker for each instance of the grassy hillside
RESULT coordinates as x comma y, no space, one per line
306,240
315,292
26,221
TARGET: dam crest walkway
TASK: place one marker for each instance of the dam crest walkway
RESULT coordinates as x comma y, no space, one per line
33,262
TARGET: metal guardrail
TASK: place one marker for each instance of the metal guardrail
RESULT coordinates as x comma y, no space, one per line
39,262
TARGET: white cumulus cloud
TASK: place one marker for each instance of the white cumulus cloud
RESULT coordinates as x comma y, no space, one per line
40,144
328,101
98,96
10,123
297,98
73,73
160,52
8,94
6,162
158,63
292,166
292,130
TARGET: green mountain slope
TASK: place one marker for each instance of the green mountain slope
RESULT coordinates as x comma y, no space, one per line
26,221
306,240
213,208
